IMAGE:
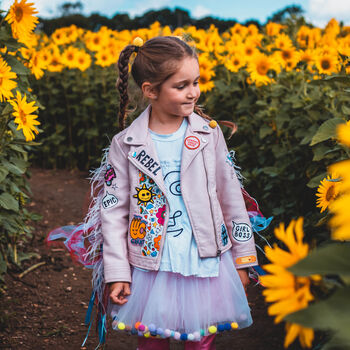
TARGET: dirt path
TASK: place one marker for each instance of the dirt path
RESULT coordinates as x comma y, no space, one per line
46,309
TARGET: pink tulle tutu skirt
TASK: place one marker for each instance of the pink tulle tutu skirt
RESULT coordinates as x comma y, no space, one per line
167,304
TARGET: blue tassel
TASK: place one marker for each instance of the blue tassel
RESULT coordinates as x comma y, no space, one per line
259,270
102,329
89,310
88,331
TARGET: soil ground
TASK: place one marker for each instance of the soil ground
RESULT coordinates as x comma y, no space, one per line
46,308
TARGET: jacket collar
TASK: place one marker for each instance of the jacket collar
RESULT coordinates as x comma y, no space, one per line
137,132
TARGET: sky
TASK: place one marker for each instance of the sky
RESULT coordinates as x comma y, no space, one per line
318,12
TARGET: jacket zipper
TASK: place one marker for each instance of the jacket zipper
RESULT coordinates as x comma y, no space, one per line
218,251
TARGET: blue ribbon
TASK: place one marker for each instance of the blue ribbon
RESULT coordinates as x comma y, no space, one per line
89,310
259,223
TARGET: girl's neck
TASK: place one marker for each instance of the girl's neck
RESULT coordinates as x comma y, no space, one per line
163,124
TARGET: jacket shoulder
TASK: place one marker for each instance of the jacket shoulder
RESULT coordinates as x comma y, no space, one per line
118,140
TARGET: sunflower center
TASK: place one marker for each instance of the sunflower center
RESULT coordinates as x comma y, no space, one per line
325,64
249,51
18,14
262,68
23,116
330,193
236,62
70,56
286,55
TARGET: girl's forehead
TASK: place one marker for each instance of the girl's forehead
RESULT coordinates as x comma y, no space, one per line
188,67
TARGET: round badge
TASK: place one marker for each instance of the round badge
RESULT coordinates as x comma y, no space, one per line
192,142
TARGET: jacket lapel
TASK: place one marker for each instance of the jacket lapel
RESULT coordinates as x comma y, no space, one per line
195,140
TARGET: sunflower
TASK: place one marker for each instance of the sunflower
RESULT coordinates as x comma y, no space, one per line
205,82
36,64
340,222
55,64
104,58
59,37
21,18
273,29
234,62
343,133
287,57
327,64
303,36
69,57
6,82
287,293
327,191
306,335
23,117
283,41
83,60
259,67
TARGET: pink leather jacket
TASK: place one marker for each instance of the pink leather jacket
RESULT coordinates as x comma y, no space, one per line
135,210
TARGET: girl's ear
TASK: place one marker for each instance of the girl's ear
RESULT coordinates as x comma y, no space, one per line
149,91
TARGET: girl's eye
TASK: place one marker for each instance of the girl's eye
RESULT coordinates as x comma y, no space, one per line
196,83
180,87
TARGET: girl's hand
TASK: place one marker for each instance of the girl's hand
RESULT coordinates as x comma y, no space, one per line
243,275
118,291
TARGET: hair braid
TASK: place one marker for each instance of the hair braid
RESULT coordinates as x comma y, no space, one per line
122,82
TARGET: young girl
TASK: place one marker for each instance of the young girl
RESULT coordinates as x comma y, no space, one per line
171,215
177,236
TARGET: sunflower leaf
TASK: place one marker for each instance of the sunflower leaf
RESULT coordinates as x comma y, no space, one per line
8,202
17,66
326,131
330,314
327,260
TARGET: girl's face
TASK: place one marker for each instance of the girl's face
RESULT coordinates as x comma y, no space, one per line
179,93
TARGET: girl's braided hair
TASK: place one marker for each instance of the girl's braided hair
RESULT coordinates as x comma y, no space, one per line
156,61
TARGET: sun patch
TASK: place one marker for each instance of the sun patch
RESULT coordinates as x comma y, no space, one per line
144,194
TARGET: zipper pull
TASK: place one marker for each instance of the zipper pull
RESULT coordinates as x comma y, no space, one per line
218,253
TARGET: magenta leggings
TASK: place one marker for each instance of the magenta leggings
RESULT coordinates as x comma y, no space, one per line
206,343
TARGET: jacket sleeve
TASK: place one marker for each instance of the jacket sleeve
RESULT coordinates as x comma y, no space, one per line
233,207
115,216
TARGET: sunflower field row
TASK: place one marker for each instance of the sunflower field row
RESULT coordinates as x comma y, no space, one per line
267,82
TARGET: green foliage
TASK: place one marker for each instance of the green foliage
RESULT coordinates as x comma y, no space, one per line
332,314
285,138
14,187
80,116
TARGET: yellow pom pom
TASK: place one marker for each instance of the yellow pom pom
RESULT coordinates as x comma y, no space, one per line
147,335
234,325
137,41
213,124
121,326
212,329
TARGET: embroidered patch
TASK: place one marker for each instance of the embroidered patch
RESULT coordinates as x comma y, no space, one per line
152,209
144,195
109,201
241,232
137,230
224,236
245,259
109,175
147,161
192,142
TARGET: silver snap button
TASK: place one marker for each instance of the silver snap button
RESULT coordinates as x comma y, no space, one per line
129,139
204,140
